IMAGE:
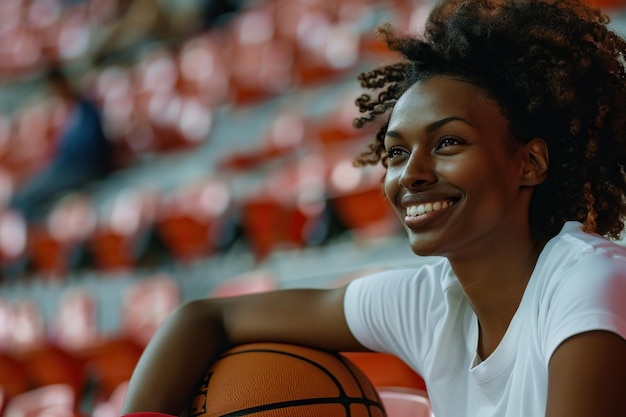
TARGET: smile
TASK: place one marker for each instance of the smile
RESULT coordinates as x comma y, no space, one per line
418,210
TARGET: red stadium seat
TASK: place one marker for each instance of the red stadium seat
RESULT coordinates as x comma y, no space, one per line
405,402
14,378
285,211
111,361
146,305
54,246
351,191
203,68
386,370
260,63
123,224
13,238
28,329
190,220
112,407
75,323
326,46
33,138
43,362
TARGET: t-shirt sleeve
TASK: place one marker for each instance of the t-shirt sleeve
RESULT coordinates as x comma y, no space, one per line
396,311
364,310
587,297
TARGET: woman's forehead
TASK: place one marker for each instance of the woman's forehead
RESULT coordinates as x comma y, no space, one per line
441,97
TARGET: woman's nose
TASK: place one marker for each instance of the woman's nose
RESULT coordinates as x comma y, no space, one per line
419,170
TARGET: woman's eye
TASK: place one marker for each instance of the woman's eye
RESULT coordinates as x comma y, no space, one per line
447,141
395,152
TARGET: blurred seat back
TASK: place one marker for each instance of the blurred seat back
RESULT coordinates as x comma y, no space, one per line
147,304
75,324
56,400
386,370
112,407
13,378
404,402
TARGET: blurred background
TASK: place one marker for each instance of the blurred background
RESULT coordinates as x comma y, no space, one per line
156,151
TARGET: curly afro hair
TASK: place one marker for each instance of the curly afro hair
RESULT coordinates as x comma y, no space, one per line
558,73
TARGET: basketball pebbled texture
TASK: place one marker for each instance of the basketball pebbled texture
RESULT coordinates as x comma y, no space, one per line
281,380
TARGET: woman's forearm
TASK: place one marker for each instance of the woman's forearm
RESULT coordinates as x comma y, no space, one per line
176,359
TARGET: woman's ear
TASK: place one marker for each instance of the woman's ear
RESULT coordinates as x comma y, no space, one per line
535,163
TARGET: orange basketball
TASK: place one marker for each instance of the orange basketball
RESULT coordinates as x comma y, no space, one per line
280,380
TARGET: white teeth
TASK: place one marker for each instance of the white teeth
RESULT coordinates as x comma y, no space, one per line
420,209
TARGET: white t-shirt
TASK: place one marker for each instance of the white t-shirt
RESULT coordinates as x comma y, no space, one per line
423,317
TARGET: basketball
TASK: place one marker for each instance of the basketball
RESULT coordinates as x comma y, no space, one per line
281,380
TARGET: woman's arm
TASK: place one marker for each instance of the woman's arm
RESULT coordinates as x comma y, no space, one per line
187,343
587,376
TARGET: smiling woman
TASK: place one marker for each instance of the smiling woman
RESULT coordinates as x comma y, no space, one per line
448,147
503,138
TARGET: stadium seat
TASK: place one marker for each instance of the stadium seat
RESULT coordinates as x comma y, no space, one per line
386,370
110,363
14,379
112,407
350,190
42,361
124,224
75,324
325,45
56,247
261,64
111,360
287,208
57,400
335,126
50,365
405,402
27,324
190,219
146,305
13,244
203,69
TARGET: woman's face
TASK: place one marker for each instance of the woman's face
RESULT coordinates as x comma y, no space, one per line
453,171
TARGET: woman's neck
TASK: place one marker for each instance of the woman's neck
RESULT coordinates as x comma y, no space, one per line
495,285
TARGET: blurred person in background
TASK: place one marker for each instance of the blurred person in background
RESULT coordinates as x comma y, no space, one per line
82,154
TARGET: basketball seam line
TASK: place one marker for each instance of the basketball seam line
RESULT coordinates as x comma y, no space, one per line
303,358
306,401
346,362
342,393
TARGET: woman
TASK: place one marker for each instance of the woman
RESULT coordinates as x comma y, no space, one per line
504,146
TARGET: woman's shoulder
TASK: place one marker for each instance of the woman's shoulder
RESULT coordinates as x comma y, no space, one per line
581,265
432,276
575,248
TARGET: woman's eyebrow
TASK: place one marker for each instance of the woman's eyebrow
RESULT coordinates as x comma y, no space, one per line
431,127
439,123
